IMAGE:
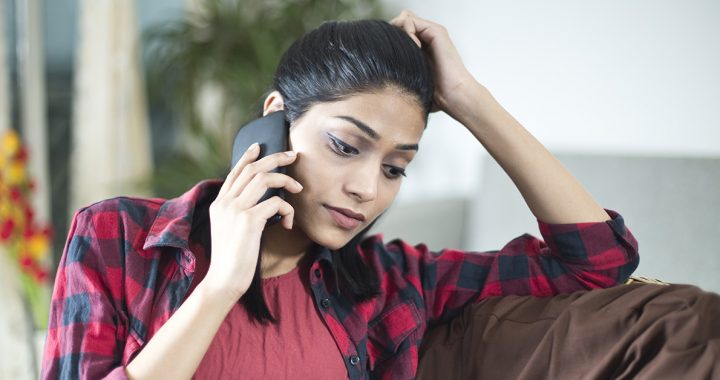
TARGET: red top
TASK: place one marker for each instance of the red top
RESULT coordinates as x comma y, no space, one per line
299,346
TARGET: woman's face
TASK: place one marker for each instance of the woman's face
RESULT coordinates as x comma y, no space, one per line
351,154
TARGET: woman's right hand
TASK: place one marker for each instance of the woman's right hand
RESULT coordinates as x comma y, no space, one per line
237,220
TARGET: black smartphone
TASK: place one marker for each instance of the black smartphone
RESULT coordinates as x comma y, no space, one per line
271,133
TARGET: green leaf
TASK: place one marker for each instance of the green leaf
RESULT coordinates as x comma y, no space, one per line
236,45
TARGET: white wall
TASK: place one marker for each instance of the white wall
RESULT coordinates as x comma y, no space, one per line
617,80
670,205
626,77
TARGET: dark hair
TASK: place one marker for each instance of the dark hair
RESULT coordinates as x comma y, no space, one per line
336,60
342,58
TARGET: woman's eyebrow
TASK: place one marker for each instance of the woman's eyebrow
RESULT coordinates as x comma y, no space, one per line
373,134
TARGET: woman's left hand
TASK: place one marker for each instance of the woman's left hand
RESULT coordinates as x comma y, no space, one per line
451,75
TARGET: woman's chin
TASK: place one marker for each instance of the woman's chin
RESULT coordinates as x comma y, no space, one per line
331,244
326,232
333,240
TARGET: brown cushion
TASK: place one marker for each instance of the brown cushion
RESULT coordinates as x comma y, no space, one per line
639,330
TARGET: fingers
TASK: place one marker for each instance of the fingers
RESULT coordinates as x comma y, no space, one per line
264,164
261,182
249,180
417,27
404,21
249,156
276,205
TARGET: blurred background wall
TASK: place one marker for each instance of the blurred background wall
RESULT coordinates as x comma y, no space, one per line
627,94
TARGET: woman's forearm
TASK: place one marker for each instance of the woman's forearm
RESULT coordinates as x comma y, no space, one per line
550,191
177,348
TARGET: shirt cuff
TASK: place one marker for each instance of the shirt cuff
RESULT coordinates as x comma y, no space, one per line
581,241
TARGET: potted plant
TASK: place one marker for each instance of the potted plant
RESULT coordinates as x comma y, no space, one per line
209,70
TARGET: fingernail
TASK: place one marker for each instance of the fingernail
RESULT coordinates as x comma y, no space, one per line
298,183
252,147
290,153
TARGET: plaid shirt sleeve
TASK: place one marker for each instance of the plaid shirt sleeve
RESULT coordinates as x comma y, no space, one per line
84,339
571,257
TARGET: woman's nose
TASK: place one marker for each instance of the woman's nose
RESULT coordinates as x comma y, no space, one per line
363,185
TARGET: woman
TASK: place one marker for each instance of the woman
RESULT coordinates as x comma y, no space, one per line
149,288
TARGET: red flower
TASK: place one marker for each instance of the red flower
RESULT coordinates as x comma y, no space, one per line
22,154
47,231
29,232
6,229
41,276
33,269
29,213
26,262
15,194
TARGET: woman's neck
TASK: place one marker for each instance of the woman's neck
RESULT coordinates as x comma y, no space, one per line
282,250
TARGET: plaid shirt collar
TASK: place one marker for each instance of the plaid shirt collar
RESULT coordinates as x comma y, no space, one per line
173,223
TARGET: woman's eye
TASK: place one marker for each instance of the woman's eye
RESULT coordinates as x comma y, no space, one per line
396,172
342,148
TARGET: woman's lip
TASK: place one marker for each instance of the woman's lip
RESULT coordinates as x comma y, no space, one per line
343,220
348,213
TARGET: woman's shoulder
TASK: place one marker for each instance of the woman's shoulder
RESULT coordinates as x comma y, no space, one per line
123,204
137,209
395,250
156,213
124,218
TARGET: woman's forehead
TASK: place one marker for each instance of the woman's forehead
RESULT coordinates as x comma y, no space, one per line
378,115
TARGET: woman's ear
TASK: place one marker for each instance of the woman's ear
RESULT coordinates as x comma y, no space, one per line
273,102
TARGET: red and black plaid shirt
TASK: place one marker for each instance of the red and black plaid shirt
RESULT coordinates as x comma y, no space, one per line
128,263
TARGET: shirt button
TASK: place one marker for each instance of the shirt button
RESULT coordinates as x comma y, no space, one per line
325,303
317,273
354,360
